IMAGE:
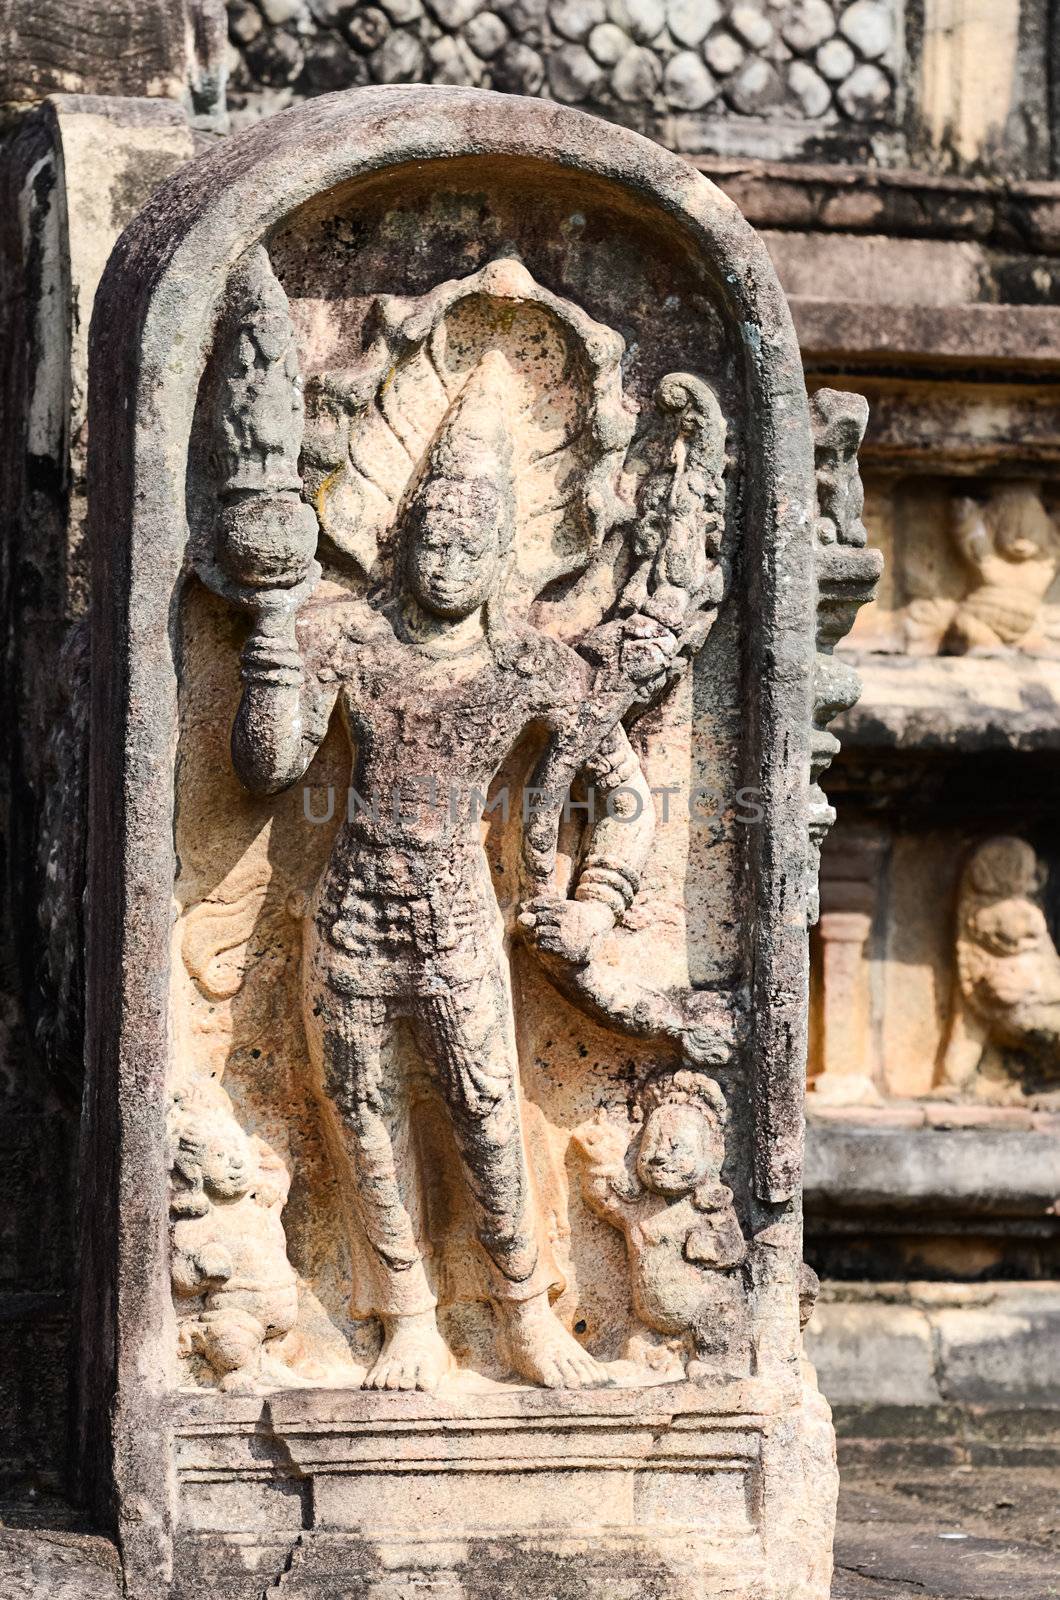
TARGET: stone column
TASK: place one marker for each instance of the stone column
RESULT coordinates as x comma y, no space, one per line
848,902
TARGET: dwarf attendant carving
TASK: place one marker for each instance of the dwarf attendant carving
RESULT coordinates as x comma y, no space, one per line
660,1184
234,1288
1011,552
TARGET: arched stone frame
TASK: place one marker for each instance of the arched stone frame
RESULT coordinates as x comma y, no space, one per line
151,330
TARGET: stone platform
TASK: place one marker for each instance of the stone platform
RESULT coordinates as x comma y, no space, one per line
603,1492
935,1506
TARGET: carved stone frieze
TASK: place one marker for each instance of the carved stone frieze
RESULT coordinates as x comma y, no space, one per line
815,67
234,1289
1009,548
658,1181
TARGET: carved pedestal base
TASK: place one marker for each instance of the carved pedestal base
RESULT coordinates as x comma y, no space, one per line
639,1493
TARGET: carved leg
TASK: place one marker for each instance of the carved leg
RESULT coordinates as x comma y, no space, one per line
347,1032
231,1341
467,1038
969,632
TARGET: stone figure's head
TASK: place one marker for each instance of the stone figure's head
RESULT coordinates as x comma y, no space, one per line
459,520
683,1142
1004,867
999,904
1023,529
210,1157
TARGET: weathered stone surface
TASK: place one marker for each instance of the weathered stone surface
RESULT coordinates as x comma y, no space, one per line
686,82
573,75
637,76
643,20
519,69
808,24
869,25
724,52
641,41
835,60
847,1341
689,21
397,506
486,34
859,1165
127,48
1006,1350
751,24
865,93
575,19
755,88
399,59
928,1344
51,1564
809,89
608,44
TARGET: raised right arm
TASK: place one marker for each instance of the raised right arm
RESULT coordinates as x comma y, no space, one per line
284,711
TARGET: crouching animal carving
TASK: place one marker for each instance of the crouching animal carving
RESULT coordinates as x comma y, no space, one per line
234,1288
659,1182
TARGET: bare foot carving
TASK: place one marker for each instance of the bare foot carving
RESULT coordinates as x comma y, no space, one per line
542,1350
414,1354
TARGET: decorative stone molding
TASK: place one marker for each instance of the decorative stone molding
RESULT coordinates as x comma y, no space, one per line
674,67
847,575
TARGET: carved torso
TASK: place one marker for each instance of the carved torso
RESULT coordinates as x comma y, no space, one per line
673,1247
406,901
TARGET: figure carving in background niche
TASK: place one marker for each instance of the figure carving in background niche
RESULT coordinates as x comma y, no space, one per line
657,1179
474,490
234,1288
1007,989
1011,546
839,422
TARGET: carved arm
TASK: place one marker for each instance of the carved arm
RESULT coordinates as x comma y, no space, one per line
603,1147
283,713
192,1270
619,841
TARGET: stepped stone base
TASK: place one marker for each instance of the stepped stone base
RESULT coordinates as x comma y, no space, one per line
636,1494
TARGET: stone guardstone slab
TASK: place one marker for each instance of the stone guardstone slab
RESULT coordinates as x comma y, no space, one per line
459,671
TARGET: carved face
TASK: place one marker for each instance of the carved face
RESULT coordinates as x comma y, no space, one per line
218,1155
454,545
679,1150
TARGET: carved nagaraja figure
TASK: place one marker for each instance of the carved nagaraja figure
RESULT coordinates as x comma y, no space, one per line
434,690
